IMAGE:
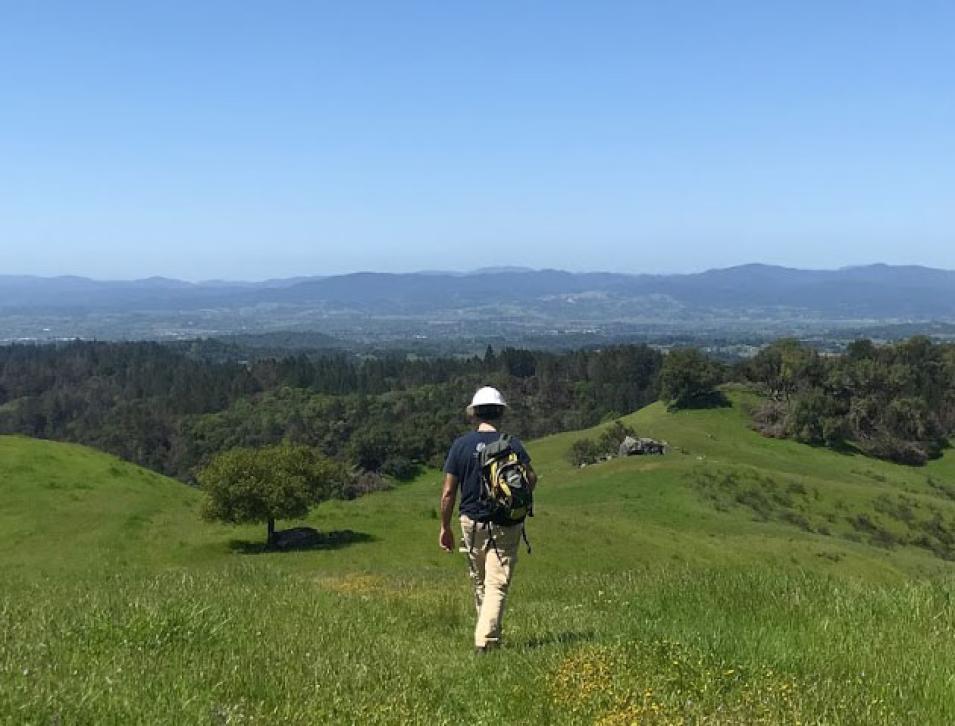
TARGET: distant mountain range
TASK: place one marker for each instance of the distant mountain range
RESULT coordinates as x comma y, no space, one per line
754,291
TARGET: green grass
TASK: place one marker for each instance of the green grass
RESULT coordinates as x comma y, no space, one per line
729,581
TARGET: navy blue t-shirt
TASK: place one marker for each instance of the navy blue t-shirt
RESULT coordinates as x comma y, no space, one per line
464,462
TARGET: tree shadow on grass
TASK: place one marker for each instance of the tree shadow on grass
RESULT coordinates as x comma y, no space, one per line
564,638
301,539
846,448
713,399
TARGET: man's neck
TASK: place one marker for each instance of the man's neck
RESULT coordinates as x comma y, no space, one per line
485,426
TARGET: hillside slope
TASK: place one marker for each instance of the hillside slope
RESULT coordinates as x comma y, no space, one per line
679,589
765,497
723,496
70,508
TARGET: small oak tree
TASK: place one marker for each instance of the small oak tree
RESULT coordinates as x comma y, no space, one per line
247,485
688,379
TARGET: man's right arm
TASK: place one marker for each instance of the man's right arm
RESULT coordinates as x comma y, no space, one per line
449,493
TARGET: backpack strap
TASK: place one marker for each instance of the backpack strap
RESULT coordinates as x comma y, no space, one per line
503,443
491,541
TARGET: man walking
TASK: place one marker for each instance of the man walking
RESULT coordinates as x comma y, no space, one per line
492,547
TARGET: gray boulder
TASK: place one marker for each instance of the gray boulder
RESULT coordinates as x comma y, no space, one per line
652,446
629,447
632,446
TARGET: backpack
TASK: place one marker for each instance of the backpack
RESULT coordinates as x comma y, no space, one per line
505,485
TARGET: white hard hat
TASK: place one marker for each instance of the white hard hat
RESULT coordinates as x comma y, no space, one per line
486,396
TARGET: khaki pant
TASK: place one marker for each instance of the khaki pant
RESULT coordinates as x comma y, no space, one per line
492,555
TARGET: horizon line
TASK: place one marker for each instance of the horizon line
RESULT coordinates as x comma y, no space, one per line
458,273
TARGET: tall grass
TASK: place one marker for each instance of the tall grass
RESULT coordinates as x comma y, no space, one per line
247,644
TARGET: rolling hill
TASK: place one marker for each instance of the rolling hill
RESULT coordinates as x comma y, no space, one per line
735,580
69,508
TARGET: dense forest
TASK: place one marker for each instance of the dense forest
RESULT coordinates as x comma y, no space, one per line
894,402
168,409
162,408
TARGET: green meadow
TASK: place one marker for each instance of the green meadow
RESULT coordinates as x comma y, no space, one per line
735,580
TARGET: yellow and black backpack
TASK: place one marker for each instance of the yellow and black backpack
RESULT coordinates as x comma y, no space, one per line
506,488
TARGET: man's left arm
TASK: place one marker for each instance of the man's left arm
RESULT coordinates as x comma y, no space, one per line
526,461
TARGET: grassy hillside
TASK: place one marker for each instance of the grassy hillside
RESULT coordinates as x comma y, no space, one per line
735,580
66,508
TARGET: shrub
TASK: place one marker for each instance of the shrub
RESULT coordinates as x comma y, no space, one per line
399,467
583,452
898,450
365,482
611,437
770,419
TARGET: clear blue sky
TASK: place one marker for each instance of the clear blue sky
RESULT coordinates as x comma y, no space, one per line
255,139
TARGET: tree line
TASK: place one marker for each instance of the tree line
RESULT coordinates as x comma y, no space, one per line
162,408
159,407
894,402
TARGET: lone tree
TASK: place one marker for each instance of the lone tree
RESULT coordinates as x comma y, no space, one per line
688,379
247,485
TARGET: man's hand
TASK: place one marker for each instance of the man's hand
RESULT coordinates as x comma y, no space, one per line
446,540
